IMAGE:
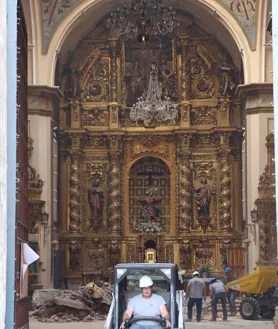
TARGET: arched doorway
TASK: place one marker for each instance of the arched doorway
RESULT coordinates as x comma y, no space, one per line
149,196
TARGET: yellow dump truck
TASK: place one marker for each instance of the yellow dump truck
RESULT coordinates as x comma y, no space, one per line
259,293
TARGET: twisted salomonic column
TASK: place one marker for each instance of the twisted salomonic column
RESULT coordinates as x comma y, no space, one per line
185,196
225,196
114,216
74,224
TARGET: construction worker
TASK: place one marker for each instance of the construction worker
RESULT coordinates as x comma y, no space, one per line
230,294
196,289
218,291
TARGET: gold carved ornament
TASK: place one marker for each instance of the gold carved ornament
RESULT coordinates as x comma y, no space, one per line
224,246
225,196
150,145
74,255
202,86
185,197
95,117
75,219
185,254
150,255
96,84
203,115
114,194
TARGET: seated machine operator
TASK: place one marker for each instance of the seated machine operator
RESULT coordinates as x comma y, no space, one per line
146,304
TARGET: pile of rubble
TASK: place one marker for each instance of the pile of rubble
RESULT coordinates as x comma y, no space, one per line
206,309
88,303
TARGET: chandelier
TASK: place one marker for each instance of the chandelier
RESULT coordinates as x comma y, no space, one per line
151,108
143,19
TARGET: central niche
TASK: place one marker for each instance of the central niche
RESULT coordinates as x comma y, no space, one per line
149,196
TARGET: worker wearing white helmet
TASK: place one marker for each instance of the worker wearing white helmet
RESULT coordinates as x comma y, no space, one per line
195,290
146,304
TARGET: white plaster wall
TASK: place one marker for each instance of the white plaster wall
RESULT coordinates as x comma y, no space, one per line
40,131
258,126
3,161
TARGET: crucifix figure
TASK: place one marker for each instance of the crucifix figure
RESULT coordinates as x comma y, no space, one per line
150,174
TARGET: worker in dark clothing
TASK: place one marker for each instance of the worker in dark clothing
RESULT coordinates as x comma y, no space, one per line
218,291
230,294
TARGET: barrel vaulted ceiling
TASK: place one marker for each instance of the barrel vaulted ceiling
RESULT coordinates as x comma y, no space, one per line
54,11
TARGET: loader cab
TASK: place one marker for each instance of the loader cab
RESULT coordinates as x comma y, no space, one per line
126,286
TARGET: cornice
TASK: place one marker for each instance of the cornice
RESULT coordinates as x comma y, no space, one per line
53,93
43,100
251,89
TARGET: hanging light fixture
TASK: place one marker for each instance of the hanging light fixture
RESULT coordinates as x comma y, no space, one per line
143,20
151,108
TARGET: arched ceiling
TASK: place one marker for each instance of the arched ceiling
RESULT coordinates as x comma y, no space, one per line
207,19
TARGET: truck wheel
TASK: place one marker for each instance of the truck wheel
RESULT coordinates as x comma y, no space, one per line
249,309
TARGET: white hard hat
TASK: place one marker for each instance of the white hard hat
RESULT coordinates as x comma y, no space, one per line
145,281
195,273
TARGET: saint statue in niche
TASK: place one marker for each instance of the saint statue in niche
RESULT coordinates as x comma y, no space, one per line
95,199
202,197
150,209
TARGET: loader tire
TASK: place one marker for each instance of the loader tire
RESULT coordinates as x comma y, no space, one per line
249,309
267,313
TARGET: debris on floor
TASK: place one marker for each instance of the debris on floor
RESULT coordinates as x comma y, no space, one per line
88,303
206,309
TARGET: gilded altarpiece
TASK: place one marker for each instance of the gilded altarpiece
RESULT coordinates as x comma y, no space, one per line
127,187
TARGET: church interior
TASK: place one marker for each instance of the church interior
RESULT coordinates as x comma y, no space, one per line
190,184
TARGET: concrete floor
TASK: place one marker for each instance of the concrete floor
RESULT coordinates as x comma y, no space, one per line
232,323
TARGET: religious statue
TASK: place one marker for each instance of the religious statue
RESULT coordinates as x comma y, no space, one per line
95,199
227,83
203,196
167,79
135,82
150,209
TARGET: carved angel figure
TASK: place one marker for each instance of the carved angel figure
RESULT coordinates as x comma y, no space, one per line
203,196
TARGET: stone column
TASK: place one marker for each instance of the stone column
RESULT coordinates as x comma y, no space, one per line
43,108
258,123
3,161
274,33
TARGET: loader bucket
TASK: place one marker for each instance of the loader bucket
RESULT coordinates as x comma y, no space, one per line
256,283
